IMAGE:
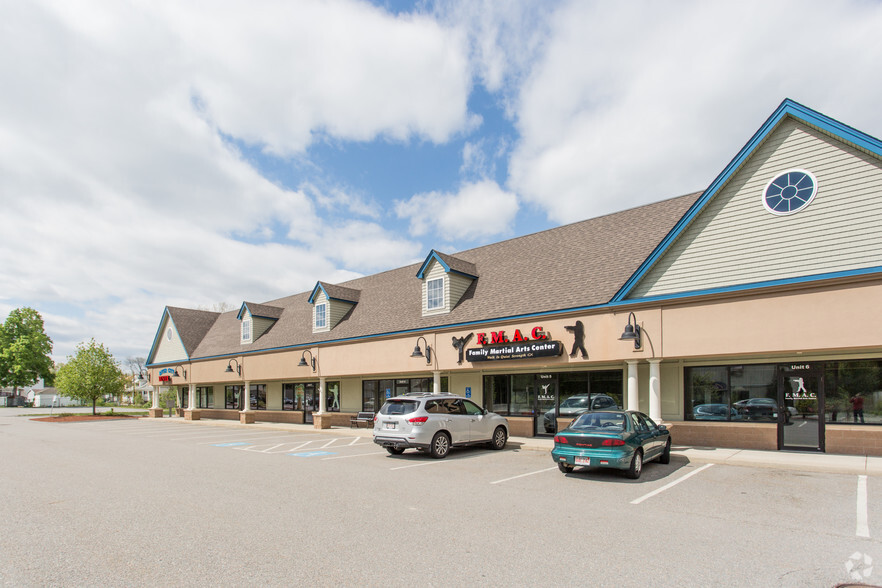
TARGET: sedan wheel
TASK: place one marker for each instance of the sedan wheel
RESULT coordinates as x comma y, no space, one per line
440,445
395,450
565,468
665,457
499,438
636,465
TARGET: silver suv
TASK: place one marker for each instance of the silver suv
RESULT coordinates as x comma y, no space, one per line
435,423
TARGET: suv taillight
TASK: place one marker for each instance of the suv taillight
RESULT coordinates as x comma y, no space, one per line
418,421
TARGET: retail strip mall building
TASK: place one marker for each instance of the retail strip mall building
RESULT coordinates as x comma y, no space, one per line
754,311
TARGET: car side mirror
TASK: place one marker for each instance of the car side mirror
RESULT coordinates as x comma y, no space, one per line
662,428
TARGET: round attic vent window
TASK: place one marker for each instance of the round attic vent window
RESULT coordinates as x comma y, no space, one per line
790,192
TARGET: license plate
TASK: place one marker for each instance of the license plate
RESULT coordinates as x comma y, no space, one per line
583,461
388,425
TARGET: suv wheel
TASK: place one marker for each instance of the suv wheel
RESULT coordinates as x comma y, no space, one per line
440,445
499,438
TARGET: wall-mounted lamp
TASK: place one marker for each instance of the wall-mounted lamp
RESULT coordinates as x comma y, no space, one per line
303,360
229,369
417,352
632,332
177,375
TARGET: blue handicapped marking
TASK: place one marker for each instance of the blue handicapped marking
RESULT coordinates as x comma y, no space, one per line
230,444
311,453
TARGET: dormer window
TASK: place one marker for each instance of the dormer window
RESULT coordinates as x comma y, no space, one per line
246,331
446,280
321,316
435,294
330,305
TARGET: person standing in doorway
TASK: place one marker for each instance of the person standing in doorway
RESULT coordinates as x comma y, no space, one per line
857,407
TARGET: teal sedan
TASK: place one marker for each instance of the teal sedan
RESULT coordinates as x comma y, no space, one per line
619,439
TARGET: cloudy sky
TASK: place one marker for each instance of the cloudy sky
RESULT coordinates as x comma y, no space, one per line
195,153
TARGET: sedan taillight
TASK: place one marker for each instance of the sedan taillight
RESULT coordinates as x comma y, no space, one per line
612,442
560,439
418,421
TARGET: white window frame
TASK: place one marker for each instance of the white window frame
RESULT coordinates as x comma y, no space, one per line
321,310
246,331
436,285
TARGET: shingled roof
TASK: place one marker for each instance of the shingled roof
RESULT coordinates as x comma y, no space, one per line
574,266
192,325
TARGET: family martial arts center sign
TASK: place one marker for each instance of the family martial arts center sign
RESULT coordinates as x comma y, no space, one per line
499,347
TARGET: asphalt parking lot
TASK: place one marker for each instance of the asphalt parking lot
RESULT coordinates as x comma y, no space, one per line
165,502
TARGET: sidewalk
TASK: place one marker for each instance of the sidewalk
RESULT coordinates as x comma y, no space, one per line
781,460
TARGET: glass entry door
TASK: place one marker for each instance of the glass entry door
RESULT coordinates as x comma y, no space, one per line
545,389
310,401
801,403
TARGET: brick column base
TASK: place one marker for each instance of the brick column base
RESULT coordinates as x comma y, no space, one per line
154,413
192,415
321,421
246,417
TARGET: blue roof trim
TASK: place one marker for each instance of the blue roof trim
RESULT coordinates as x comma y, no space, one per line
432,255
242,311
756,285
787,108
318,286
159,329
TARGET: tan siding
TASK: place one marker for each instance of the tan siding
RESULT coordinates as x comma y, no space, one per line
166,350
336,311
259,326
457,285
734,240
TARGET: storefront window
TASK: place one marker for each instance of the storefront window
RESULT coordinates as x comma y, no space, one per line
375,392
232,395
853,392
258,396
731,393
369,395
332,396
287,396
205,396
523,395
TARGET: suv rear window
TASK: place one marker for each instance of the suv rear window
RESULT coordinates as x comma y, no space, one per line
399,407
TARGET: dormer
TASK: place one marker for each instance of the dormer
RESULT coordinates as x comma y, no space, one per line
256,320
445,279
330,304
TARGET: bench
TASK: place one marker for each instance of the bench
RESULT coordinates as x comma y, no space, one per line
363,417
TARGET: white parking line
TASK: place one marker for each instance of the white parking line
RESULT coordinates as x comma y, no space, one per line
524,475
356,455
863,527
417,465
251,438
671,485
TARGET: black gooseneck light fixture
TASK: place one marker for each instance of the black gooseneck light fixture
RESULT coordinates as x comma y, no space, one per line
229,369
632,332
417,352
303,360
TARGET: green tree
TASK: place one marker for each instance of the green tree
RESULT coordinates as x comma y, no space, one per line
90,374
24,349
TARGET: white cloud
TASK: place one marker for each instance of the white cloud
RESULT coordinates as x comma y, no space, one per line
634,102
478,211
120,186
280,73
